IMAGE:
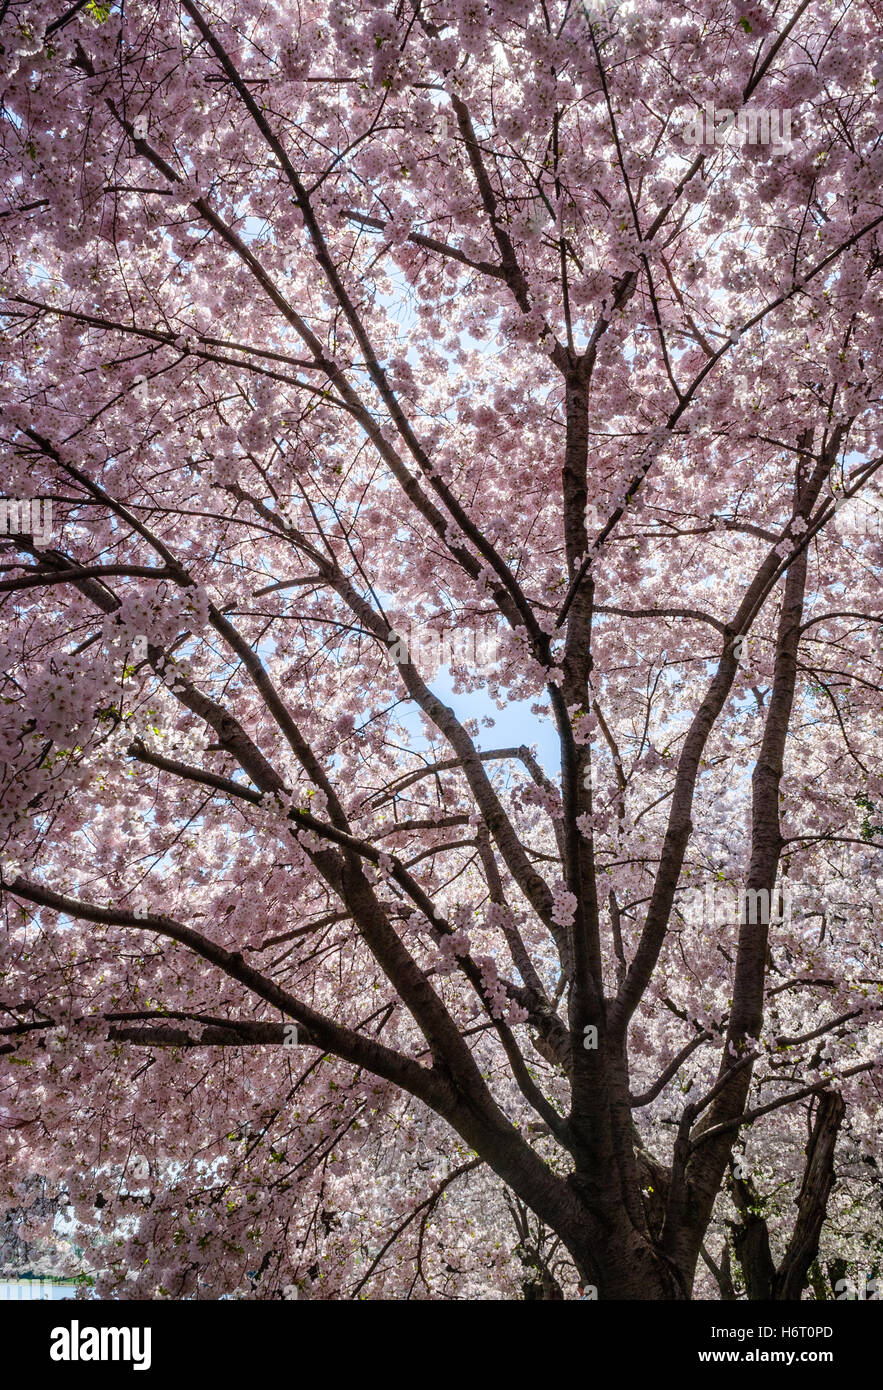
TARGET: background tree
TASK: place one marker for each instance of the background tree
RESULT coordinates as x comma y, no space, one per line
336,328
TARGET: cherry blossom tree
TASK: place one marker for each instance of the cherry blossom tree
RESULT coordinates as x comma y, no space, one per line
385,367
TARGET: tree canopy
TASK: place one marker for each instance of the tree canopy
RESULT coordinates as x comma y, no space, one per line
384,376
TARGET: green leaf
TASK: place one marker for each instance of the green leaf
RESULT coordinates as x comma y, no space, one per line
868,829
